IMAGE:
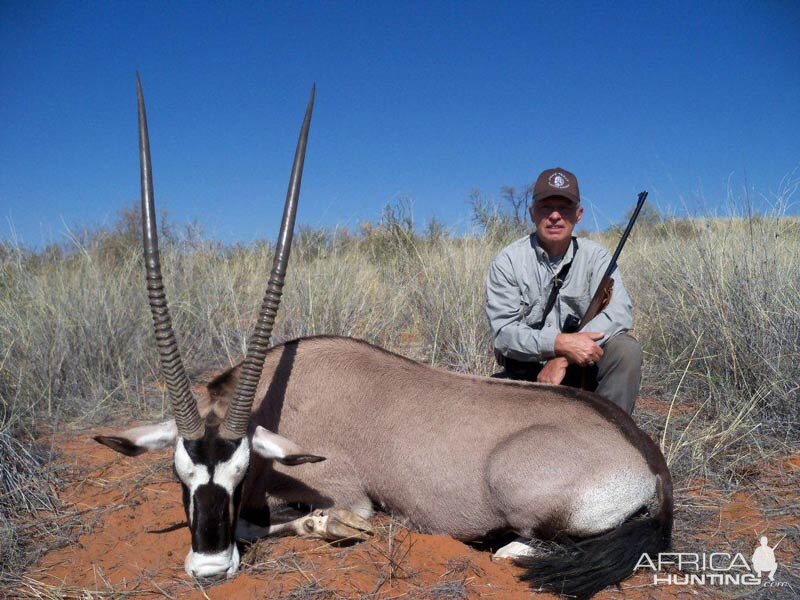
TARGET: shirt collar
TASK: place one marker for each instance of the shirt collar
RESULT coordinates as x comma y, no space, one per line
541,253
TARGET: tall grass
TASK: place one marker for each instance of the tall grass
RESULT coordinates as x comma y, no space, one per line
719,313
718,295
445,293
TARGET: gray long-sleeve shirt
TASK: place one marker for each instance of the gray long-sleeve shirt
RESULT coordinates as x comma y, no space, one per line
517,287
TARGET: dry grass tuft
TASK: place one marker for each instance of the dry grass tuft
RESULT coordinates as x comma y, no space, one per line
30,588
716,310
28,503
388,552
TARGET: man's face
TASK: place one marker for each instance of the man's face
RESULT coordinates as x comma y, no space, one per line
555,218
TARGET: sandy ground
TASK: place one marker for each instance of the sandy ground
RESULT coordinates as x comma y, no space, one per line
122,500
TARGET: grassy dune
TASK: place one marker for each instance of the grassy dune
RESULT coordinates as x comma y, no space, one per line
716,304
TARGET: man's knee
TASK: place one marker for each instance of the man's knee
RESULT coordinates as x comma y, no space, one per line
624,351
620,371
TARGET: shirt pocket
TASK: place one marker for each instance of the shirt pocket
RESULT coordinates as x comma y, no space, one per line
574,302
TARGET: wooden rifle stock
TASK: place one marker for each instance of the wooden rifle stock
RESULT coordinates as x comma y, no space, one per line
599,301
602,296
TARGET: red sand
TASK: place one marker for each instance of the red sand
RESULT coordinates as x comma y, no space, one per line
123,498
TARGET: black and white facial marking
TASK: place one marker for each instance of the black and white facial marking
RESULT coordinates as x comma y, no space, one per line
211,471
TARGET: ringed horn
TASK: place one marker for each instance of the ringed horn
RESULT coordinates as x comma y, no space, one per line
187,417
238,415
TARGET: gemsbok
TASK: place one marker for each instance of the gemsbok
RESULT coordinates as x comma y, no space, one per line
452,454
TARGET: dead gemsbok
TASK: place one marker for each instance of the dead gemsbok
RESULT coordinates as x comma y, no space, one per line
453,454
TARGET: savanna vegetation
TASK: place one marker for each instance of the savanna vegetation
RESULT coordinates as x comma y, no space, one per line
716,304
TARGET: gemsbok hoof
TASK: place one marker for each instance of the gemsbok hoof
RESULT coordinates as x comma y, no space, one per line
337,524
342,522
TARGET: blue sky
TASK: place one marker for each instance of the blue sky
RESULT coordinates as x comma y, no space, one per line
414,100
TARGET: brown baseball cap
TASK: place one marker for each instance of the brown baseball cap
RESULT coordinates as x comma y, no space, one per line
556,182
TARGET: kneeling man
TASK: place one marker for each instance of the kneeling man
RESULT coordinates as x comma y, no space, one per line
537,282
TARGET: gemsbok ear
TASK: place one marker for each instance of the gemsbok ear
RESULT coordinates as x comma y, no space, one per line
275,447
138,440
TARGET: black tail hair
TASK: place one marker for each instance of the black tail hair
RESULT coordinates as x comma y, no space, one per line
583,568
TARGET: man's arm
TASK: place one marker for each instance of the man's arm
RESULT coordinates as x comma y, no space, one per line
511,336
585,347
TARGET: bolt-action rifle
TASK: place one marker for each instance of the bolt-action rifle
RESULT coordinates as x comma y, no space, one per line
602,296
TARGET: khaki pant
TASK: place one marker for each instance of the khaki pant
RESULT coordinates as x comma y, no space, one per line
617,375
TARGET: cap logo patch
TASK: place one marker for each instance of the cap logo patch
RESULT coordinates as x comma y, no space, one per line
558,180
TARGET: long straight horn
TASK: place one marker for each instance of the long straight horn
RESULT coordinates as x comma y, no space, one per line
187,417
235,424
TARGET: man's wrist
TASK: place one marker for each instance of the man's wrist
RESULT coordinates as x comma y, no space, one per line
558,349
547,343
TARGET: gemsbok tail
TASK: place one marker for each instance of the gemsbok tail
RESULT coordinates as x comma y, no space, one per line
585,567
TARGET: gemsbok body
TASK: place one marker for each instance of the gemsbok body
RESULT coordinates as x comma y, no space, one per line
341,426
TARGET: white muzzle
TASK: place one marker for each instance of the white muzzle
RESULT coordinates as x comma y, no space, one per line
208,564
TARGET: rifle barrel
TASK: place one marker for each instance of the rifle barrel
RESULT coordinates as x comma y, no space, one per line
613,264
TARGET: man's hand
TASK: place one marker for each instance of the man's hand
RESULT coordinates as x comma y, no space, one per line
553,371
579,348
